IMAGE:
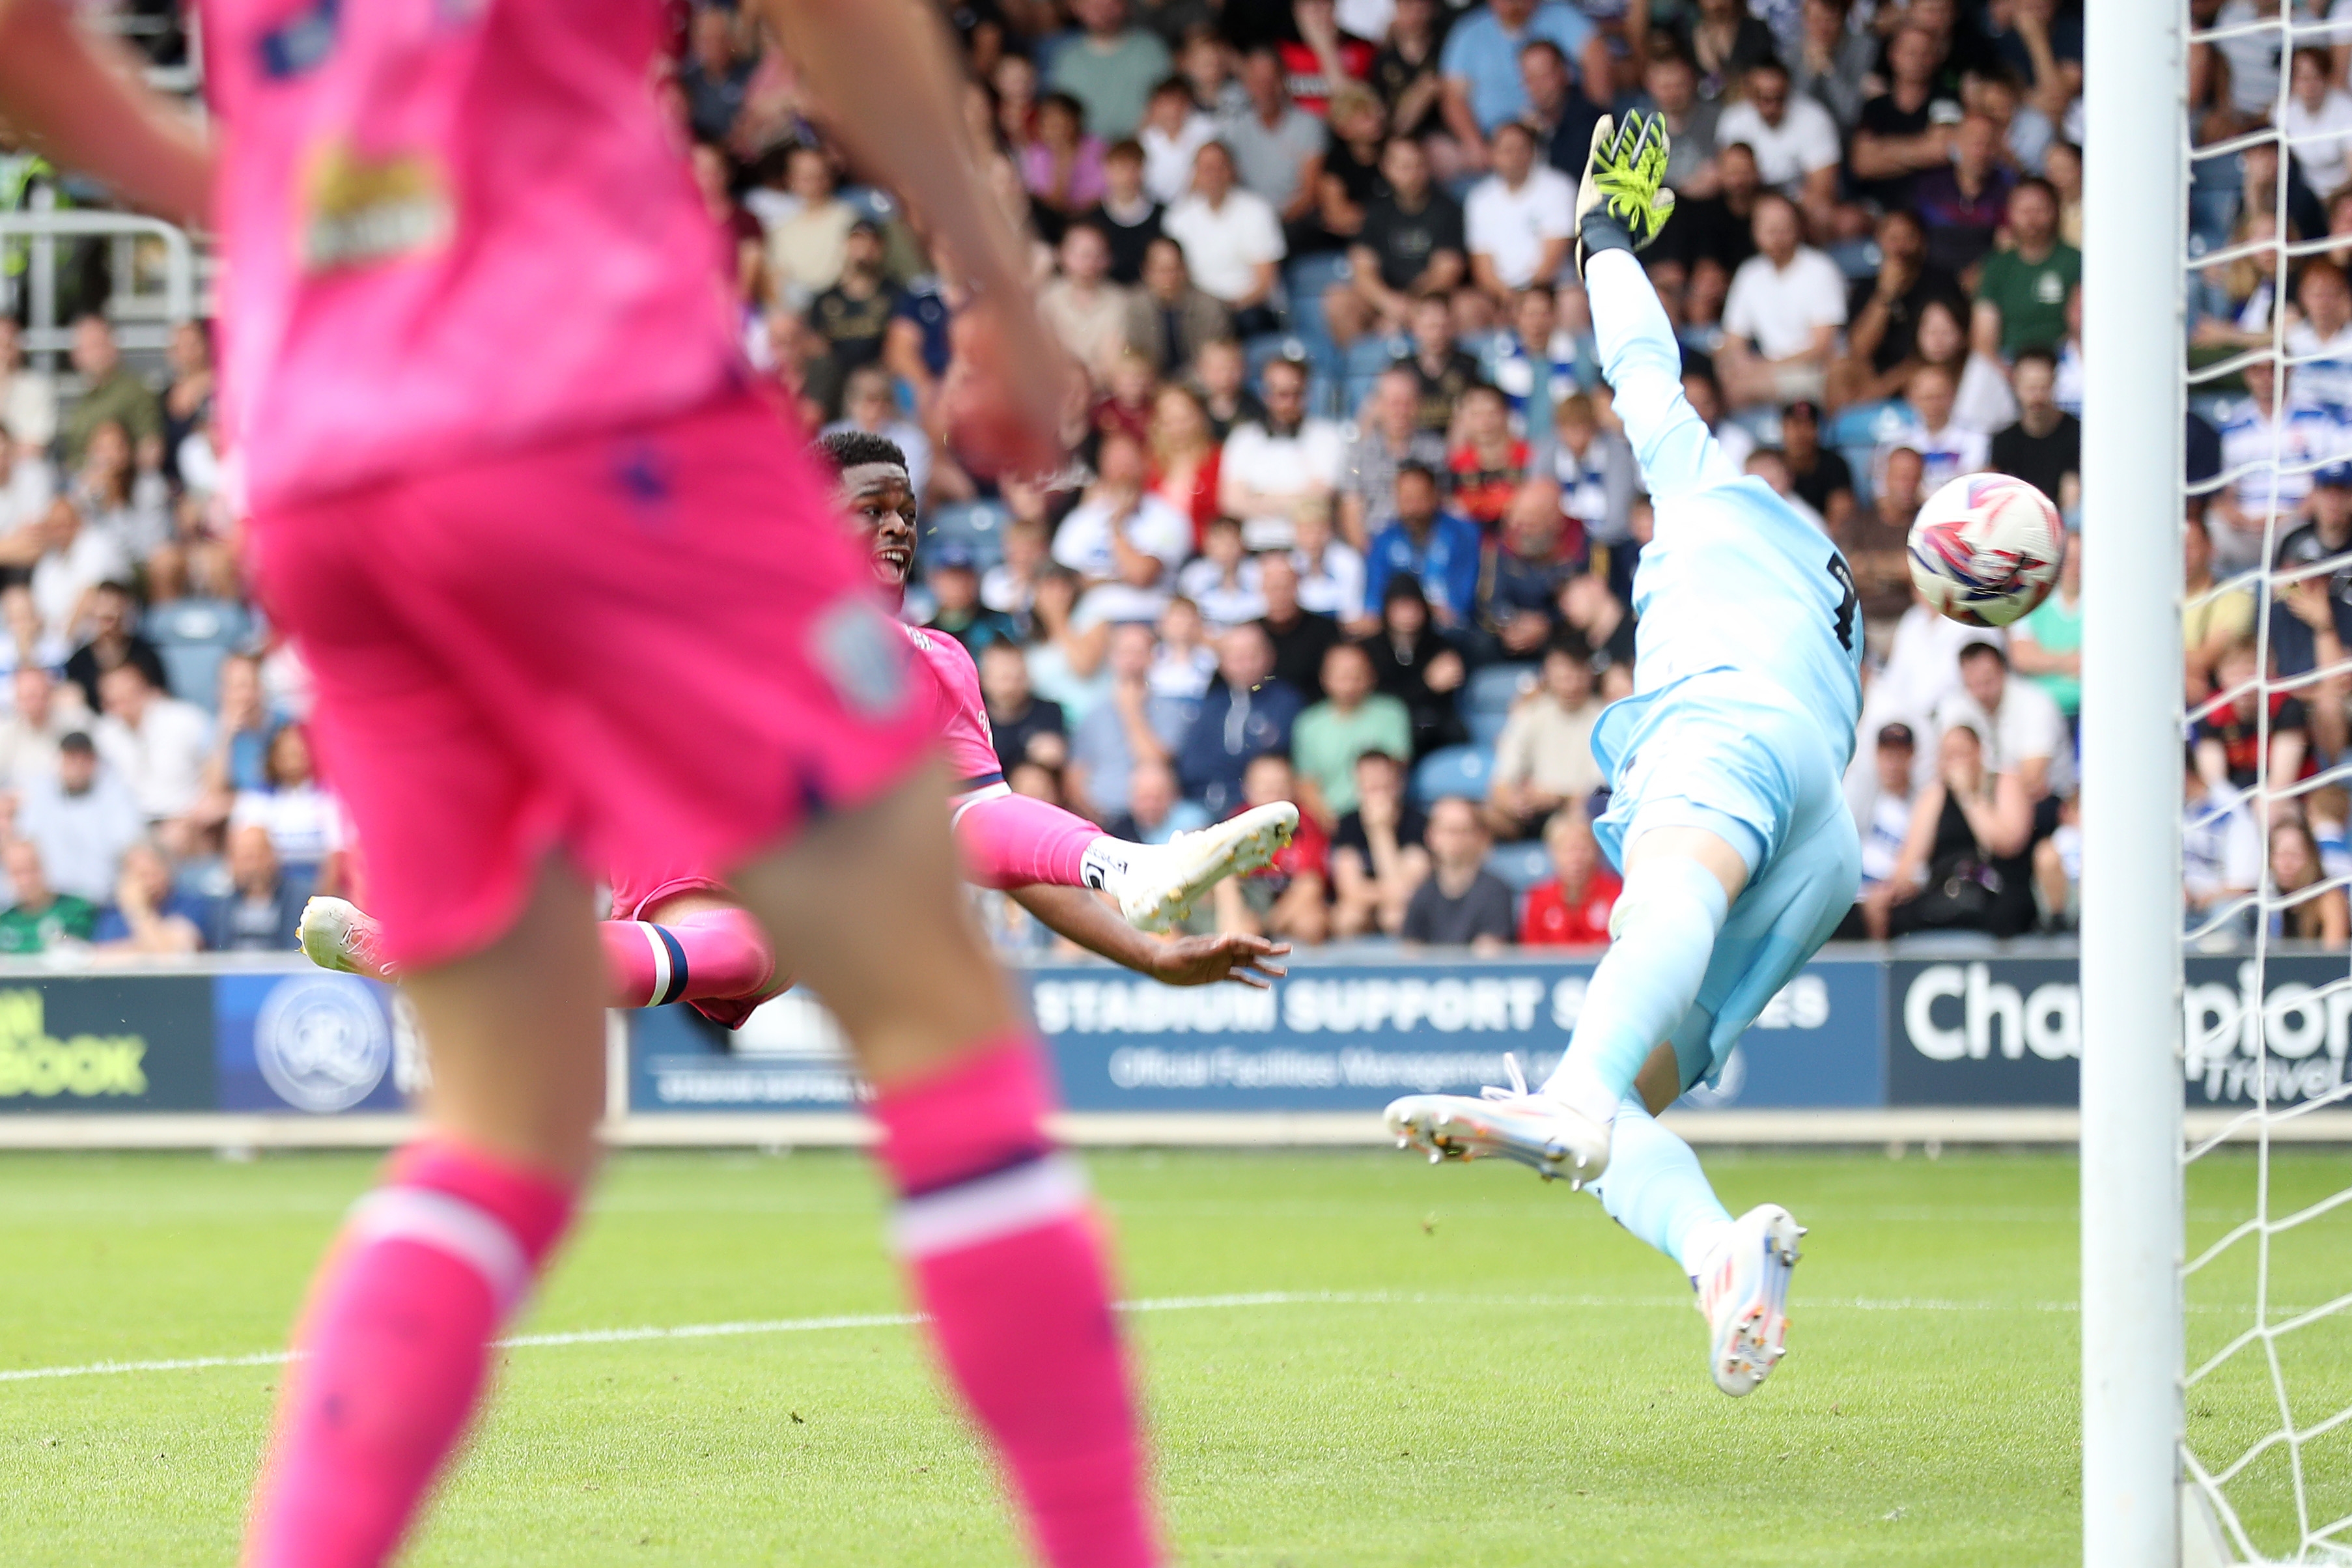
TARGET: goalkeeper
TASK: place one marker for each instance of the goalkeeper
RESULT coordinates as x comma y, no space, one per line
1726,818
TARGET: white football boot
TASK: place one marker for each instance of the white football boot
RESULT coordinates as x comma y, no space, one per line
1160,882
1743,1293
1558,1142
338,934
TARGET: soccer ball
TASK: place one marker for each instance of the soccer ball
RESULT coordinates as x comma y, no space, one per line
1985,549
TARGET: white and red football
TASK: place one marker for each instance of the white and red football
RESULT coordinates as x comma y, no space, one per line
1985,549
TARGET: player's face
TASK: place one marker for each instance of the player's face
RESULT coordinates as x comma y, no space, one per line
881,504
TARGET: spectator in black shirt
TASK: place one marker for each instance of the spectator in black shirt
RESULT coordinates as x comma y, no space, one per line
1412,661
114,639
1883,313
2044,448
2307,613
2228,736
1025,727
1519,579
1128,218
854,315
1462,903
1439,365
953,578
1721,227
1821,477
1907,130
1378,853
1563,117
1406,71
1410,245
1300,636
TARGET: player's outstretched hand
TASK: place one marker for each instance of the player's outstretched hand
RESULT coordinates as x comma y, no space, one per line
1003,392
1224,955
1623,200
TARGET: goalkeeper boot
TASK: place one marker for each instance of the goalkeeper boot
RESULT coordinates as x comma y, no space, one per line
338,934
1743,1292
1556,1142
1157,887
1622,201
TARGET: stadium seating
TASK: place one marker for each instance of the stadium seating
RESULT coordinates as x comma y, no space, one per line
978,526
1521,865
1486,699
194,636
1460,772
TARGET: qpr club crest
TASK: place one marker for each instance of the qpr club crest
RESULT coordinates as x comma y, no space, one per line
322,1042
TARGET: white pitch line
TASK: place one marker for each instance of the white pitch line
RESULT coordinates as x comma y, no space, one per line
1160,1304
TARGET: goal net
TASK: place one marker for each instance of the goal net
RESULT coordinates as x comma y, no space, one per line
2262,1237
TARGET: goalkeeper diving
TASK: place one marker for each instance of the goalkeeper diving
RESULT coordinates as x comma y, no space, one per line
1725,814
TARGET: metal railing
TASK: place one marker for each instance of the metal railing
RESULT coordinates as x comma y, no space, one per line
144,304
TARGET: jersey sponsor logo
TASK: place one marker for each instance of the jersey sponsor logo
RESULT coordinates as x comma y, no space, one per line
301,44
322,1042
863,658
359,210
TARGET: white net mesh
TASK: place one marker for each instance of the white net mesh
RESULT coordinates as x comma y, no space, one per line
2268,1282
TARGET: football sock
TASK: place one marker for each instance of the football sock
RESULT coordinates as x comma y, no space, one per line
714,953
1013,841
1664,930
1654,1188
995,1228
391,1352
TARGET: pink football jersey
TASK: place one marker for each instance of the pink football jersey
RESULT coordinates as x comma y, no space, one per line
960,714
451,227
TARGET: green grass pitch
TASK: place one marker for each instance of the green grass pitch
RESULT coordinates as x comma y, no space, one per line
1463,1366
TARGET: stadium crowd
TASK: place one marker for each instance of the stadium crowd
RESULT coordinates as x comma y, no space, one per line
1350,520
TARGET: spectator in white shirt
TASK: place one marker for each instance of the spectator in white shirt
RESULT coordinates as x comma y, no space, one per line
304,822
41,715
1232,239
1947,447
1173,130
28,397
1220,580
1123,541
1330,573
2221,852
2024,732
26,483
2317,120
1273,470
81,818
158,743
1781,318
1795,139
1518,220
68,561
2322,339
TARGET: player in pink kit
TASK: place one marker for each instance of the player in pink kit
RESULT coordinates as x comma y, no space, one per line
569,592
681,937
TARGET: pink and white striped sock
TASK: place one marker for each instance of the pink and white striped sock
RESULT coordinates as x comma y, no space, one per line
995,1228
718,954
391,1352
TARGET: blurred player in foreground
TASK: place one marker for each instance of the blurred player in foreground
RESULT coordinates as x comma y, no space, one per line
1738,853
684,938
570,591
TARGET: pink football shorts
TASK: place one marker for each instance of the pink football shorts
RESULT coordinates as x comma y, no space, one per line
655,648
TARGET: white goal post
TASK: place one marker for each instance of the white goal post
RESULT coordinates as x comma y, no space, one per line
2135,214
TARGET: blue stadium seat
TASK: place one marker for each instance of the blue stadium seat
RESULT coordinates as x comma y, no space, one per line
1308,277
1486,729
1857,259
1521,865
1864,424
194,636
1454,772
1493,688
978,526
1858,460
1368,356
